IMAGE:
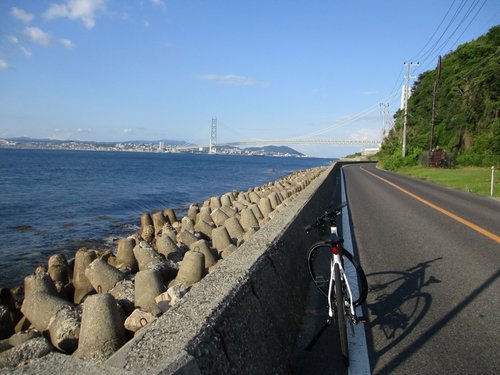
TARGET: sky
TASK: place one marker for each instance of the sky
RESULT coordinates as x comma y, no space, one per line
115,70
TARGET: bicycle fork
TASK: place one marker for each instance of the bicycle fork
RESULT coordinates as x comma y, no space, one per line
337,259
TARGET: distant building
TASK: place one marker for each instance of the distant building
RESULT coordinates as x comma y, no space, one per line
5,142
370,151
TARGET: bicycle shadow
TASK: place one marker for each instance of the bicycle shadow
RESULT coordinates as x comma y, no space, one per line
398,302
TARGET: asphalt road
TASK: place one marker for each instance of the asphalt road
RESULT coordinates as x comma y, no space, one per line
434,288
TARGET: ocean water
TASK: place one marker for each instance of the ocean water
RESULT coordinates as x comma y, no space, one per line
58,201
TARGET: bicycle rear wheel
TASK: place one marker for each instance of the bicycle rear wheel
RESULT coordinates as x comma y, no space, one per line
318,261
340,314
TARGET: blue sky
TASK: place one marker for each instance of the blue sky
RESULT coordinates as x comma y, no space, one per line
115,70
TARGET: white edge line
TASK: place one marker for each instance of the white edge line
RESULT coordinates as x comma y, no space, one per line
359,362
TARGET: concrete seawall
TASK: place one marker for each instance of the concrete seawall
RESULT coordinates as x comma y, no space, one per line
241,319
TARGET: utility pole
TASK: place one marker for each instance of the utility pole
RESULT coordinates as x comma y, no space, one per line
433,116
384,109
406,96
213,137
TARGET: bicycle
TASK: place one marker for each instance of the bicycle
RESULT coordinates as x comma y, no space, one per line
342,280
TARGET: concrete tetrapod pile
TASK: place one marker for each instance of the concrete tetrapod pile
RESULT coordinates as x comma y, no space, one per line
89,307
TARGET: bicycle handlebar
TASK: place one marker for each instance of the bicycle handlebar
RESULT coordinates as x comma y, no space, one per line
327,217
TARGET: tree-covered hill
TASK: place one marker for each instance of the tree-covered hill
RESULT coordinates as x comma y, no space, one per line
467,108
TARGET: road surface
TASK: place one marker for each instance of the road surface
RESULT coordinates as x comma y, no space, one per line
432,258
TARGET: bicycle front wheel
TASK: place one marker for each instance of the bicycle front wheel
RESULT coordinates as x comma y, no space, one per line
340,314
318,261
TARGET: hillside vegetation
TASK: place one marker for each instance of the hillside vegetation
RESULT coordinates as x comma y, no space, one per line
467,120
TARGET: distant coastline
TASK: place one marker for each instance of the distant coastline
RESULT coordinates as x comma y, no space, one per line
162,146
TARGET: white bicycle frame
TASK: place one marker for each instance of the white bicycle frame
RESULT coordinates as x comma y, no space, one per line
337,259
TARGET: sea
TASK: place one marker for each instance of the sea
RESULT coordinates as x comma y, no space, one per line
56,201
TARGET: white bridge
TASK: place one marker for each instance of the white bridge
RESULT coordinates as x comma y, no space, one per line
278,142
212,147
302,142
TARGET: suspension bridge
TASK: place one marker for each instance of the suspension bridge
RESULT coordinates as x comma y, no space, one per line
213,145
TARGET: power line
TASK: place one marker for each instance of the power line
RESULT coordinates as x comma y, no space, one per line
455,15
399,80
438,48
458,12
468,25
435,31
428,53
349,121
469,11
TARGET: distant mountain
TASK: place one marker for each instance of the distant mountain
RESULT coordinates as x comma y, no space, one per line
28,139
274,150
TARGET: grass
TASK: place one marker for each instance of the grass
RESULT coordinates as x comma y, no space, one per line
475,180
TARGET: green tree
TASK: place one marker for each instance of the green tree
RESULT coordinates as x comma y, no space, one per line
467,108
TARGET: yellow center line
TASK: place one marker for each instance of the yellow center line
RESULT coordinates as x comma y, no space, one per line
473,226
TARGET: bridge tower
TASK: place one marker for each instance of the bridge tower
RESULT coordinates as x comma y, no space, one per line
213,137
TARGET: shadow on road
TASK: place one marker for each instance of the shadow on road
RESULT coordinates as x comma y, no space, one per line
436,327
397,303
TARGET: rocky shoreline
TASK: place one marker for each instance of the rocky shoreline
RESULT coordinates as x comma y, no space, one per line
92,305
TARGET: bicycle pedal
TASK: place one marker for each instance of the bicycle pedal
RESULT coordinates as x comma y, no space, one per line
361,319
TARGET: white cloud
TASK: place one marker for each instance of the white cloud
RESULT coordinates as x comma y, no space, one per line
365,135
37,35
230,79
84,10
13,39
25,51
21,15
72,133
3,64
67,43
128,131
160,4
59,135
81,130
